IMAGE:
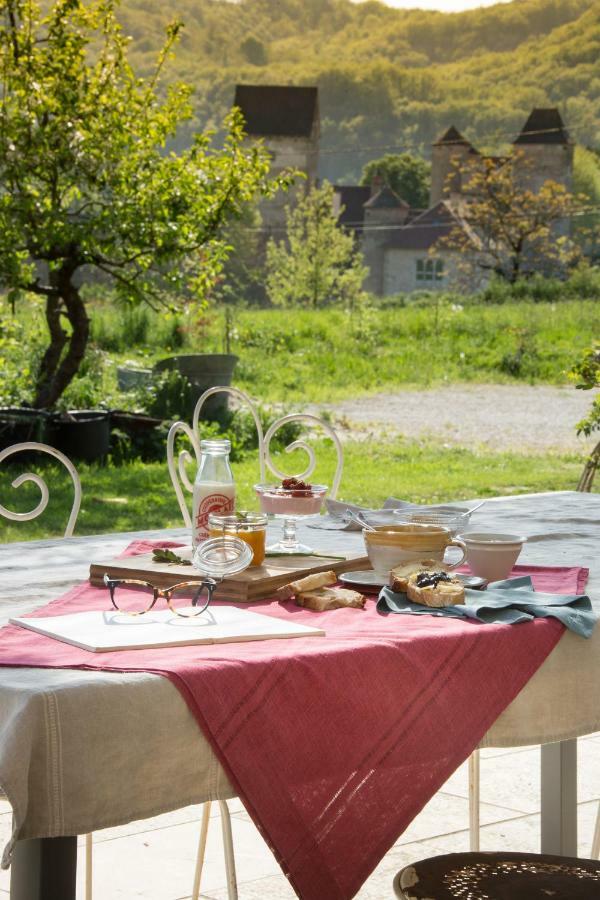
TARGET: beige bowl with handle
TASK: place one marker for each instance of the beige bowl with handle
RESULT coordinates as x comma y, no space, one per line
389,546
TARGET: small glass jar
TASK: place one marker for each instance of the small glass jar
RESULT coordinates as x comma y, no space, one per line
249,527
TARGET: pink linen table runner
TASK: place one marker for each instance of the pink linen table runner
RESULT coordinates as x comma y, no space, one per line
334,743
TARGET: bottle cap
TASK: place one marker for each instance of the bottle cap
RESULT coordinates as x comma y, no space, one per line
222,556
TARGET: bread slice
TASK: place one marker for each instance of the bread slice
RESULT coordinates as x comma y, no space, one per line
436,589
400,575
308,583
330,598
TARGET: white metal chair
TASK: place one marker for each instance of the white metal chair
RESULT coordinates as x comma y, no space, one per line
179,477
37,447
41,484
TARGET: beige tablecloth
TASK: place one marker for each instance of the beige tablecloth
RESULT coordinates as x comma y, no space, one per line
80,751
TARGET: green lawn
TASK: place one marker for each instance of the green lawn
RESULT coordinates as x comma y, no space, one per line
302,356
140,496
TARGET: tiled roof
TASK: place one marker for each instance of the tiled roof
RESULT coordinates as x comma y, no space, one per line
544,126
352,198
279,110
453,136
386,198
424,231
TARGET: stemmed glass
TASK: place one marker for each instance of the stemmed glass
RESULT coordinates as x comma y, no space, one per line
290,505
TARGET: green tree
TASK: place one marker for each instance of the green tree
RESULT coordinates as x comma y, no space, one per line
319,264
87,180
408,176
508,229
586,182
586,375
254,51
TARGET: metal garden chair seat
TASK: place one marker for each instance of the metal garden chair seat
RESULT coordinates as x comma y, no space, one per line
499,876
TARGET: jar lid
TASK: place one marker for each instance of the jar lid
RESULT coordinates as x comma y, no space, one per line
215,445
222,556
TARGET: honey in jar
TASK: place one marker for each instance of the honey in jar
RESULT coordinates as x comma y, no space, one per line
249,527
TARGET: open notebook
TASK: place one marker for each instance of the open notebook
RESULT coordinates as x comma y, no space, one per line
104,631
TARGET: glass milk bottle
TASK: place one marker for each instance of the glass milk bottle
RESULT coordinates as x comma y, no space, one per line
214,489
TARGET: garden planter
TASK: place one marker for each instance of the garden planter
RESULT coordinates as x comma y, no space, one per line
82,434
145,436
130,378
19,424
132,423
203,371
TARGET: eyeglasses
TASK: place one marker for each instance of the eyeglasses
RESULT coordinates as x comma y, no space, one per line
187,599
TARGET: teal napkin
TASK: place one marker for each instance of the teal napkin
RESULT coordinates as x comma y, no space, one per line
506,602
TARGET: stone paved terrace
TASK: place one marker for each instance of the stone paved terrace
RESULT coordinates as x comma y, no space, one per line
154,859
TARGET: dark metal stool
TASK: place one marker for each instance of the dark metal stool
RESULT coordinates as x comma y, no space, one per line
499,876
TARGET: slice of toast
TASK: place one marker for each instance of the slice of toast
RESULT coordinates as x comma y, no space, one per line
436,589
308,583
400,575
325,598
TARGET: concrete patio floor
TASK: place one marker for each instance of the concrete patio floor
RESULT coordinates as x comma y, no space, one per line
154,859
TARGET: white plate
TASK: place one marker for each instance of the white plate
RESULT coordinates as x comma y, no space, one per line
370,580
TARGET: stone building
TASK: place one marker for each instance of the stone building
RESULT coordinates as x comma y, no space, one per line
286,119
397,241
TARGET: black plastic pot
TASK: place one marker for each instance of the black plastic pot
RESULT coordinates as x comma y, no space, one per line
145,437
132,423
19,424
82,434
203,371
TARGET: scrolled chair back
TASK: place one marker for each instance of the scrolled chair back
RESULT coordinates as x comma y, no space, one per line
41,484
177,464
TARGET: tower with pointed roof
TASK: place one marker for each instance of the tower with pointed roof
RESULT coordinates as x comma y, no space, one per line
450,154
544,150
285,118
384,213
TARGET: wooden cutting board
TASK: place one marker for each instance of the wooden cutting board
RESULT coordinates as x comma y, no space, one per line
253,584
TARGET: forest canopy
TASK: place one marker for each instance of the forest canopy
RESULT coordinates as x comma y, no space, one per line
390,80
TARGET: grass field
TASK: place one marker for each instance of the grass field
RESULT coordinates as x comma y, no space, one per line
299,356
140,496
296,357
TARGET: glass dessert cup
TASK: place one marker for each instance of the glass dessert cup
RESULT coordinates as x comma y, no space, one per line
291,506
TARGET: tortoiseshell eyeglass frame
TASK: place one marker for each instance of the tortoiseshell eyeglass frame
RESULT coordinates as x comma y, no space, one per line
209,583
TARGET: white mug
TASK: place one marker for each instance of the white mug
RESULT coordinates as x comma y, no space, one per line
492,555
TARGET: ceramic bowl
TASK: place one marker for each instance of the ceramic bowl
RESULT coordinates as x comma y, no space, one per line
389,546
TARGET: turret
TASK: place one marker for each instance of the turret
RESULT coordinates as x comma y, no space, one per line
450,154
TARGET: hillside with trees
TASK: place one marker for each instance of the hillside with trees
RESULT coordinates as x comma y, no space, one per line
390,80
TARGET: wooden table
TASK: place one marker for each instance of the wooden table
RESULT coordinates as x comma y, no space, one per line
564,528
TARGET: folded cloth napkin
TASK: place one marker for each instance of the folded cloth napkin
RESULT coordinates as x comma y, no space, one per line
505,602
337,519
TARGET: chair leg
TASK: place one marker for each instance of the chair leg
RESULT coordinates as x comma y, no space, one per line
595,854
474,802
89,871
201,849
232,891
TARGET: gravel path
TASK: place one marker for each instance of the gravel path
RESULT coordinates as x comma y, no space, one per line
503,417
